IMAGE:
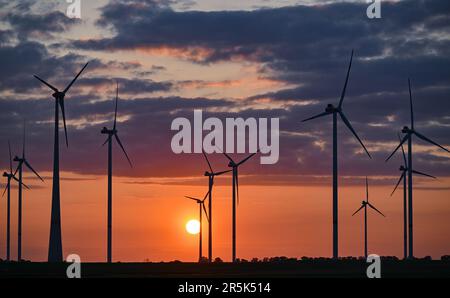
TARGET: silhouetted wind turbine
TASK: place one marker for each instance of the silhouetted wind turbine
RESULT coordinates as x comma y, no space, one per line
235,166
111,133
409,132
332,110
55,253
404,169
211,175
9,176
364,205
21,162
201,205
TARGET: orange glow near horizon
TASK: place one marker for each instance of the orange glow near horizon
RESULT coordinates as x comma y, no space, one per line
291,221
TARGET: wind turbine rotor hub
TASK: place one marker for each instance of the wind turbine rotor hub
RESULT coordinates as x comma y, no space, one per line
330,108
58,95
406,129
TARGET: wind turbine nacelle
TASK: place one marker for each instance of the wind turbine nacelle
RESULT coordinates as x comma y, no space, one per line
16,158
207,173
104,130
5,174
329,108
402,168
405,129
58,95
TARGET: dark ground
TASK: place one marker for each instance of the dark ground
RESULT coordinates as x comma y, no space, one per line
315,268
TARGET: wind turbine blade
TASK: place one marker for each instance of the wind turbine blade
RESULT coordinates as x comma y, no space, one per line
123,149
220,173
61,104
411,104
396,148
227,156
23,184
402,176
76,77
17,169
347,123
10,157
194,199
115,112
423,174
346,82
206,196
367,190
31,168
45,83
107,139
206,212
316,116
358,210
247,158
405,163
373,207
207,160
6,188
421,136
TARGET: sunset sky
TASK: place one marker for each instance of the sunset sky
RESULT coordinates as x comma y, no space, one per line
281,59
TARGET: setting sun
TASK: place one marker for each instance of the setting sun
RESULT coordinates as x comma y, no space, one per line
193,226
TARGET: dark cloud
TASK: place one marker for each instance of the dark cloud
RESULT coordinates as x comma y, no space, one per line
285,33
129,86
308,47
40,26
5,36
146,134
21,61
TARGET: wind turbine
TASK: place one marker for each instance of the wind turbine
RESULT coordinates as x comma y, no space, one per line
21,162
409,132
332,110
9,176
364,205
235,167
201,205
404,169
112,132
55,253
211,175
